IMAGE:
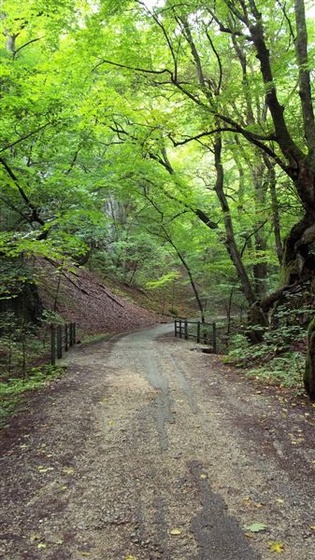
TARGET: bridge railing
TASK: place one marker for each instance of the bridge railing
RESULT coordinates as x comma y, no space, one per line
203,333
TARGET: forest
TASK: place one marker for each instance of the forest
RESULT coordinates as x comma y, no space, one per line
165,143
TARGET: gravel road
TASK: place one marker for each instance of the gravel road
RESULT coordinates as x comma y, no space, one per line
148,449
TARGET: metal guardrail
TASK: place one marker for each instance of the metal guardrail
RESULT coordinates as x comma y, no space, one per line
204,333
62,337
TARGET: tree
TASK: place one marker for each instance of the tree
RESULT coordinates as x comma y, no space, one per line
193,103
195,64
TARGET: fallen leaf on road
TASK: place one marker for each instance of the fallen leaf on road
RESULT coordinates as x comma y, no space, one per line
256,527
276,546
68,470
45,469
175,532
251,503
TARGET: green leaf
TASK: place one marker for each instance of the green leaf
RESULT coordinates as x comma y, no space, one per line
256,527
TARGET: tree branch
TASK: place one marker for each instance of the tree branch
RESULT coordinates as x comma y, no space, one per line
132,68
253,138
25,45
34,217
24,137
73,162
169,43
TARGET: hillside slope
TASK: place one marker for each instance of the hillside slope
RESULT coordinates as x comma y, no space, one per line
82,297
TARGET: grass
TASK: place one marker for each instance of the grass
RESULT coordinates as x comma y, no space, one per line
13,389
93,338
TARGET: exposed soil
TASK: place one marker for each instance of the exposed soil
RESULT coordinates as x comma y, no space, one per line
149,449
82,297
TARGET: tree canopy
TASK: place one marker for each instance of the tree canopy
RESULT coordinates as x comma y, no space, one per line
182,132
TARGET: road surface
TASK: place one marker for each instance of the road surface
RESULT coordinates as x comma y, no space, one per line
149,449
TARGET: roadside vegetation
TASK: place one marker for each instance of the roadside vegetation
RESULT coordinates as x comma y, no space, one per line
169,148
14,389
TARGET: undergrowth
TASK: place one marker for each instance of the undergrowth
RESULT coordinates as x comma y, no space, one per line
279,359
12,389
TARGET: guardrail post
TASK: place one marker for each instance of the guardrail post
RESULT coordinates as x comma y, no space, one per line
52,345
56,340
59,341
70,334
205,332
198,331
66,338
214,337
186,329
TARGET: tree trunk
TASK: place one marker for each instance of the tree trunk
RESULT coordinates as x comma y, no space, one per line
309,374
275,208
190,276
260,186
228,224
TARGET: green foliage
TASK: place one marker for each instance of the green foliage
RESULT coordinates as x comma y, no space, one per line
15,273
18,344
285,370
280,357
49,317
256,527
12,389
99,108
162,281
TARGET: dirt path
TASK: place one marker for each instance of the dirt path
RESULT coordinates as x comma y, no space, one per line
147,449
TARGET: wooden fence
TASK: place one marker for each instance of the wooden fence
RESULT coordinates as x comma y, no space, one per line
62,337
204,333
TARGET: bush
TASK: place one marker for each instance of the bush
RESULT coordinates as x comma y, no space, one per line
279,359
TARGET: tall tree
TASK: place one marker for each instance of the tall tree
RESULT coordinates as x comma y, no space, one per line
196,64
